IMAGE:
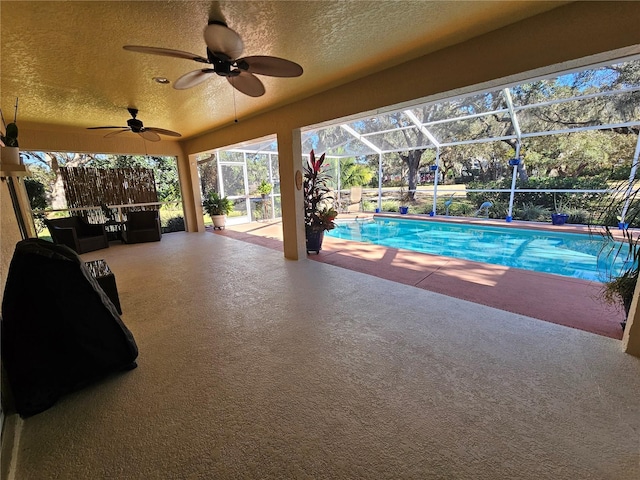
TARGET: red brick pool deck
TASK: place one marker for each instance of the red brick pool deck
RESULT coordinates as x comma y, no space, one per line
552,298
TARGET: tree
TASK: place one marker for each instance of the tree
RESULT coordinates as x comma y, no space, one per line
352,173
208,172
45,167
36,193
403,136
48,164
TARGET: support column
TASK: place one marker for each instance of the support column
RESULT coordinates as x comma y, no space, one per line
191,197
292,199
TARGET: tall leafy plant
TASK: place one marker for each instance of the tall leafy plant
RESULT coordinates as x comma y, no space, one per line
214,204
623,246
318,203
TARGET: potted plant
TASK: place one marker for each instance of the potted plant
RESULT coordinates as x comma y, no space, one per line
264,189
559,217
319,214
618,290
403,208
9,140
218,208
619,287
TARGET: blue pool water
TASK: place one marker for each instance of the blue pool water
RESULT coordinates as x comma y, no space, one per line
568,254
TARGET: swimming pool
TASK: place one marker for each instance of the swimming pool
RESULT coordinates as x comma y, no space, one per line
568,254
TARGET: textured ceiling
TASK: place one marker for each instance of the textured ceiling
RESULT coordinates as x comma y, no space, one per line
65,62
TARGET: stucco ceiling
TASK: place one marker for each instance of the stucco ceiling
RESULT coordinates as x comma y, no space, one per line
65,61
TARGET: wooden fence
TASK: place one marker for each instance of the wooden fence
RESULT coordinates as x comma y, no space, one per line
94,187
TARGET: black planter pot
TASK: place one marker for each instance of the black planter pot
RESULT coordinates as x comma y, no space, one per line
314,240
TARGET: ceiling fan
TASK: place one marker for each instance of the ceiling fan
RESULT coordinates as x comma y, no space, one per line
224,46
134,125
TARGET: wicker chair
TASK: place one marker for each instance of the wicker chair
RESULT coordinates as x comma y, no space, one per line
77,234
142,226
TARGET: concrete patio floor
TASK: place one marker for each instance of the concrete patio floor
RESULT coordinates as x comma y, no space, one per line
552,298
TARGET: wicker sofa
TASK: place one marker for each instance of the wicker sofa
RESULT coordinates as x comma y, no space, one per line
77,234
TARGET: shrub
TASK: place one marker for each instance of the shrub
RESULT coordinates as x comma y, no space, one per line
390,206
585,200
499,209
579,216
174,224
461,209
532,213
369,206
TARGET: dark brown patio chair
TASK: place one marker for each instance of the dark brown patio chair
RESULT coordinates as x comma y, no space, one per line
142,226
77,234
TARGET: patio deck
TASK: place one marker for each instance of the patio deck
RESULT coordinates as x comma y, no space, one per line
254,367
562,300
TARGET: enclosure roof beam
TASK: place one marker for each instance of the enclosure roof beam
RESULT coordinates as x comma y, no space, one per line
423,129
465,117
512,114
606,126
578,97
356,135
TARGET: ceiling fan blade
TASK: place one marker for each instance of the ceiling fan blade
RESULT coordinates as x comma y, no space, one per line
162,131
221,39
272,66
167,52
192,79
149,135
96,128
113,134
248,84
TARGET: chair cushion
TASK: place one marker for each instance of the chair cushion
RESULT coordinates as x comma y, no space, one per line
142,220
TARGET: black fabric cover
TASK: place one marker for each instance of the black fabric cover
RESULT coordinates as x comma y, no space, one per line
60,331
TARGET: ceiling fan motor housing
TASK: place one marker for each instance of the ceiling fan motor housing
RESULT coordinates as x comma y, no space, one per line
135,125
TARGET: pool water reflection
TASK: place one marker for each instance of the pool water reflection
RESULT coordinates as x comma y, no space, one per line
568,254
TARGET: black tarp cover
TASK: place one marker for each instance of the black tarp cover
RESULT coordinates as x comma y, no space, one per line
60,331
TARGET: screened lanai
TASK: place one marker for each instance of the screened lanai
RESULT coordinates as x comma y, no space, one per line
501,122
